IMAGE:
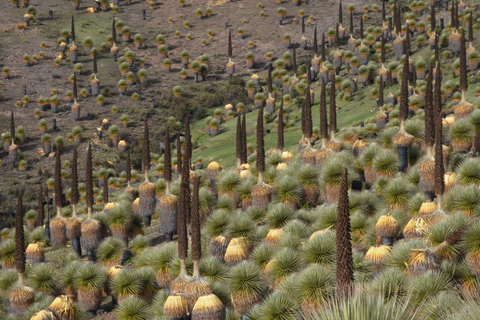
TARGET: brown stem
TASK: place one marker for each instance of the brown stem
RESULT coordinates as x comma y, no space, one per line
196,269
74,210
183,268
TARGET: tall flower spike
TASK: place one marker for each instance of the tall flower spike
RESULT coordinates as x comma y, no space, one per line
19,236
238,140
105,189
323,112
340,13
196,237
129,169
269,78
75,94
380,94
95,66
146,150
429,115
230,44
280,139
308,109
89,182
244,138
40,208
58,183
167,165
12,127
179,154
260,143
351,23
470,28
463,63
294,61
433,20
361,27
72,32
383,11
333,107
439,169
74,195
344,246
323,48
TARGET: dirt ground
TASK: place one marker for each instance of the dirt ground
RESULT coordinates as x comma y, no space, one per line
42,76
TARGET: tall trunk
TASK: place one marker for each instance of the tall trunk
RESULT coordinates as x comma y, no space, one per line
129,170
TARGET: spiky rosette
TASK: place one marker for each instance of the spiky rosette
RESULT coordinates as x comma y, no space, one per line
196,288
208,307
261,195
64,307
426,169
213,169
376,254
246,286
387,226
334,145
58,229
45,315
21,298
382,119
91,231
463,109
35,253
112,273
120,221
422,260
427,208
308,155
473,261
454,41
135,206
110,252
321,156
89,281
273,236
147,199
218,246
358,147
237,250
402,138
176,307
168,214
73,227
417,227
450,179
